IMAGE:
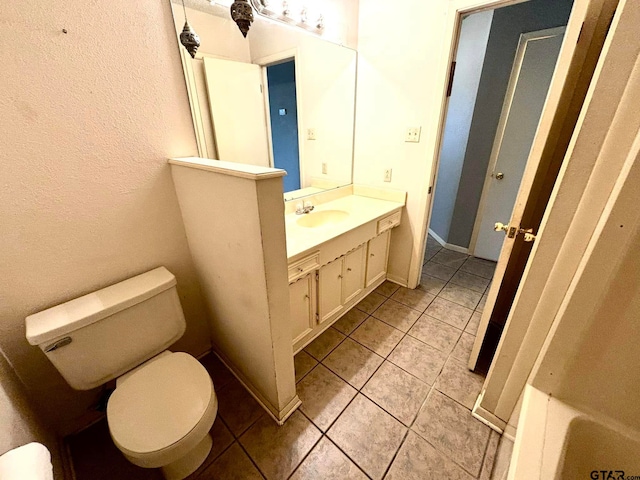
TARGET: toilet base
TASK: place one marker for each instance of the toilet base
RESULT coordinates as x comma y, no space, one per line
185,466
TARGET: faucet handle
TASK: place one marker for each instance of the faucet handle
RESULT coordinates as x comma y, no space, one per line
299,208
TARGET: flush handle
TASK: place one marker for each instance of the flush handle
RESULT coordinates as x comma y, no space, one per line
59,344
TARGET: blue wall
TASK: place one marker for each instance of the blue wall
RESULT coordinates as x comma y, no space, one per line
284,128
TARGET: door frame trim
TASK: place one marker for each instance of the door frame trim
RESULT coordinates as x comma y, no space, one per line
525,38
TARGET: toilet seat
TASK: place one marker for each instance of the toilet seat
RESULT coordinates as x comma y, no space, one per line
162,410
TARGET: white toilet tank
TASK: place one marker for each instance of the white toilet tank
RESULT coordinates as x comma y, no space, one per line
100,336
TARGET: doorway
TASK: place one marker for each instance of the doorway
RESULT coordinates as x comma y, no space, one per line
504,62
505,59
283,113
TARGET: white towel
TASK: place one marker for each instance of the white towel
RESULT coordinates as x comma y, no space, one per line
29,462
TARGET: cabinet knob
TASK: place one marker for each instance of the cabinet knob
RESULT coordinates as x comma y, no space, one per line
339,276
373,255
348,269
306,297
300,269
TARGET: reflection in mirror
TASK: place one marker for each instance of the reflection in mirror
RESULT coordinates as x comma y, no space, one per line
282,97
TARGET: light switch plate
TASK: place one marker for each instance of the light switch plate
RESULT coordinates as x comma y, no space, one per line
324,168
387,175
311,133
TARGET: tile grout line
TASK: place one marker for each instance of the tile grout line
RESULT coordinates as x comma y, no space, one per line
302,460
433,387
324,435
448,358
385,359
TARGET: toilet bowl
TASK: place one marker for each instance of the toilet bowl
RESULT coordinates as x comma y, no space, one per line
164,403
160,414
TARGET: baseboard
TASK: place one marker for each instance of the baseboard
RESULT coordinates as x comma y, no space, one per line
486,417
437,238
280,416
448,246
400,281
510,432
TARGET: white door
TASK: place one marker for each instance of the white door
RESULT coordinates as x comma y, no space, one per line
531,75
238,111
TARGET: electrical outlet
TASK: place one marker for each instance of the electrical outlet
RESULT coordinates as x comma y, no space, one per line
324,168
311,133
413,134
387,175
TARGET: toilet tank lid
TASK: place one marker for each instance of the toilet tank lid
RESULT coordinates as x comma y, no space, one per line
63,319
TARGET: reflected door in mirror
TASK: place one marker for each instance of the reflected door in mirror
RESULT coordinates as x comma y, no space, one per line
237,109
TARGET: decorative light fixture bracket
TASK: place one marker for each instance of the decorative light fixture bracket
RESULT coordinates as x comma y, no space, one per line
242,14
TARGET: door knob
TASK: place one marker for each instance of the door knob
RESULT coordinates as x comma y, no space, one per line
512,231
501,227
499,176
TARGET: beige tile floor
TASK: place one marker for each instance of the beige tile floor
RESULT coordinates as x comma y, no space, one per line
385,391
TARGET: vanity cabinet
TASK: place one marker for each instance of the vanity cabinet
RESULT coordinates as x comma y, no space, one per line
330,289
377,256
303,305
340,282
325,284
353,274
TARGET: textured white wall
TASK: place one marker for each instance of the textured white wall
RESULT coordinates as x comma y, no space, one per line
86,198
398,87
402,70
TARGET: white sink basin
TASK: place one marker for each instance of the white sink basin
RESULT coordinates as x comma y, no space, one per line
322,218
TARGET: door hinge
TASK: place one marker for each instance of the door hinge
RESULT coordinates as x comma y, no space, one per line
452,73
429,191
317,276
261,88
317,317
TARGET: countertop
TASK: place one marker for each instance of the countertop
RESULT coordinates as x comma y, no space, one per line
361,210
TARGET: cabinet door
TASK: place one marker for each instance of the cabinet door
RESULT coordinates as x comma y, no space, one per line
353,274
330,289
377,252
302,303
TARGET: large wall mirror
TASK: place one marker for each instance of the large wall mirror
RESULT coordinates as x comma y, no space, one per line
281,97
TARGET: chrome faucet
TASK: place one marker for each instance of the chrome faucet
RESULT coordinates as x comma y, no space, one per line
302,209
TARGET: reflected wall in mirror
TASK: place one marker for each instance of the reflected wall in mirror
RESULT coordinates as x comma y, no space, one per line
282,97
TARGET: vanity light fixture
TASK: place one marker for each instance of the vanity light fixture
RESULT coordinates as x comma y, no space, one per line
242,14
189,38
285,8
270,9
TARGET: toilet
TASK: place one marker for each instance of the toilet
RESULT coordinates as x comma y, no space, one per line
164,404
